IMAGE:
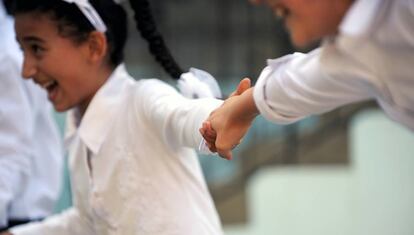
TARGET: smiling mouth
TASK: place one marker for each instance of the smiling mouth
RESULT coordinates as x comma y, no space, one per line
51,88
49,85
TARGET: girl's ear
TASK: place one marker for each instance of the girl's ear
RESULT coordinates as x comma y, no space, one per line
97,46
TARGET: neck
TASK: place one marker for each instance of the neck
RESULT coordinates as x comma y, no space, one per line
101,77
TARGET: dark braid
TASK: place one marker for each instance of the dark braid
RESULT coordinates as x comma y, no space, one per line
147,27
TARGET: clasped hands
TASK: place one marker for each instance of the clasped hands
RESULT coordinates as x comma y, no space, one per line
225,127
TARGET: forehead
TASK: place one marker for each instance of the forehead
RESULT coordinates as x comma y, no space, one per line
35,24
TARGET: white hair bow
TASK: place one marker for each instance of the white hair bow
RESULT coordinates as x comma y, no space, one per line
198,84
90,13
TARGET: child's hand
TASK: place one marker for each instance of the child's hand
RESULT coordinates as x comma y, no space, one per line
209,136
227,125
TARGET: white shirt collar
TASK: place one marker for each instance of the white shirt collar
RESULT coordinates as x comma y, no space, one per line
360,17
97,120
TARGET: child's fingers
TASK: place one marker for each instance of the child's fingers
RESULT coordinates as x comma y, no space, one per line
208,134
206,137
244,84
225,154
209,130
212,147
224,148
226,141
209,139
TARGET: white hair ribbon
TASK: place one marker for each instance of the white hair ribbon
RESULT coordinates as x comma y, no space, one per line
198,84
90,13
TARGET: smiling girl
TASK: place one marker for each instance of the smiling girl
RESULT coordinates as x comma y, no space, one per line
132,167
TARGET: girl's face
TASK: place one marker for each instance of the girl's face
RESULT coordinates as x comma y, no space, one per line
309,20
65,69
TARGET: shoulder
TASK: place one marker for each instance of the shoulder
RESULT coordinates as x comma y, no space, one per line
149,92
153,83
155,87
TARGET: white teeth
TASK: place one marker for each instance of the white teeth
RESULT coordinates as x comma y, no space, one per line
281,12
48,84
45,85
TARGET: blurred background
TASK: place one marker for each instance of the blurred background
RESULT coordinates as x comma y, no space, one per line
346,172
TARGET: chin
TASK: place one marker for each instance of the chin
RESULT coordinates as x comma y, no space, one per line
60,109
302,41
299,40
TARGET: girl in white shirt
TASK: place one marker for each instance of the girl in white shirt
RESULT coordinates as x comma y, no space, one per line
132,165
367,53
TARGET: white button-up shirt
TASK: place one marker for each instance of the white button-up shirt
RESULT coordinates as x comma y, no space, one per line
133,169
372,57
30,145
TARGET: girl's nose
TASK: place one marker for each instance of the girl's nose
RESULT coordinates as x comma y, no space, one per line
29,67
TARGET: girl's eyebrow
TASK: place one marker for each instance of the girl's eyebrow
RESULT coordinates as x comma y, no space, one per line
33,39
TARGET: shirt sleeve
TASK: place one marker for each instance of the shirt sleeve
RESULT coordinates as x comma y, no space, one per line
16,127
299,85
69,222
175,117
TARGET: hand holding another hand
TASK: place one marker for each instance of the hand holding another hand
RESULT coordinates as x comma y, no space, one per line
227,125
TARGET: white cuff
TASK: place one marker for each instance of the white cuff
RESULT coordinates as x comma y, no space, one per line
263,87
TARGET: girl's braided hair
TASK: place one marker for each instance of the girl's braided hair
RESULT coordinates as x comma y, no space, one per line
146,25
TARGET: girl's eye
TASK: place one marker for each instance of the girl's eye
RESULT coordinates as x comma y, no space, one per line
36,49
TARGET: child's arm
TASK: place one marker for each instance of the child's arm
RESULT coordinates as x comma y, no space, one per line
177,119
227,125
174,118
298,85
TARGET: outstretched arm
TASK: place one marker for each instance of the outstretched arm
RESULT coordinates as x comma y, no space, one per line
175,119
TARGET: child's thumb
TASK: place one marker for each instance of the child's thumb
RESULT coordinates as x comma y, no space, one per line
242,87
